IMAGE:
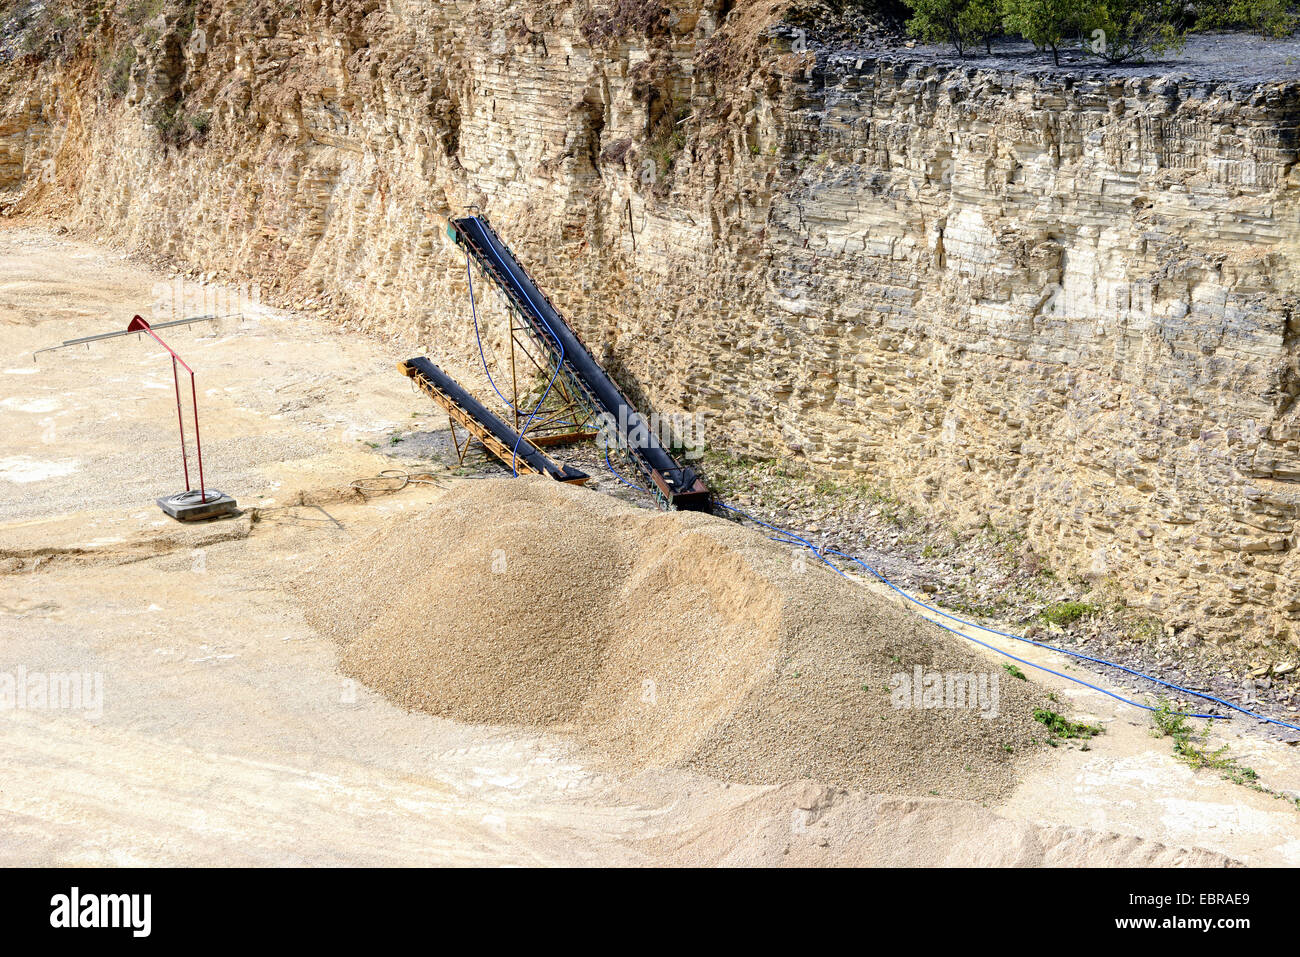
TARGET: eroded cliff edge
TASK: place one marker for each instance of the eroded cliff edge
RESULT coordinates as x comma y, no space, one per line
1067,303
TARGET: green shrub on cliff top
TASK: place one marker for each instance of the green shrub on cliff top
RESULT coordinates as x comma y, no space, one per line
1119,30
1114,30
1047,24
959,22
1271,17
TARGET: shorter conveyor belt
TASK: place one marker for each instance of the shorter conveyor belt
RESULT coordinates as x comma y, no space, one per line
497,437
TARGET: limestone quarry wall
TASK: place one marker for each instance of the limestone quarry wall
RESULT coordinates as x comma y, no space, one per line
1065,304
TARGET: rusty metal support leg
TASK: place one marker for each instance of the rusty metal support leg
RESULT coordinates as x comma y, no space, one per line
514,378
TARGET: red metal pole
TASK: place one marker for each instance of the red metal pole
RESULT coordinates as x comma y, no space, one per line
180,420
138,324
198,446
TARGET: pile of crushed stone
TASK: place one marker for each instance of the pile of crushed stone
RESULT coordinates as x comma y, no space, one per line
660,639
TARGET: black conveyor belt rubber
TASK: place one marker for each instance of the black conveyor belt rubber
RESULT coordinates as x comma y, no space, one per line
536,459
679,484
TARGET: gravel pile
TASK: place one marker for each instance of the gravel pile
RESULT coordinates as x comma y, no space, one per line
660,639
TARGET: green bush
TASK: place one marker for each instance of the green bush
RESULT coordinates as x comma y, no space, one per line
959,22
1119,30
1271,17
1063,727
118,70
1047,24
1067,612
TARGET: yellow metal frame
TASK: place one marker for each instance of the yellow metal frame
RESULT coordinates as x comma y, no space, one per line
457,415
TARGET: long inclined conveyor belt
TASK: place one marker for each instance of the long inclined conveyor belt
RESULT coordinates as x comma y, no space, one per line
679,485
497,437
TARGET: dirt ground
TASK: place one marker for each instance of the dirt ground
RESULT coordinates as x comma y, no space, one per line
228,735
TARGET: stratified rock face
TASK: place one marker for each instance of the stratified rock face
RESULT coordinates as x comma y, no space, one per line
1069,305
1073,307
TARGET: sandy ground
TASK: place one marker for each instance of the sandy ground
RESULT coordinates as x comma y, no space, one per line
227,734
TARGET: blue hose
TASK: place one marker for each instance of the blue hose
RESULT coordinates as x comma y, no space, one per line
479,339
469,273
559,363
820,553
1080,655
614,472
790,538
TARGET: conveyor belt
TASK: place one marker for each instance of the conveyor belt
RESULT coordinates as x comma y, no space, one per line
497,437
679,485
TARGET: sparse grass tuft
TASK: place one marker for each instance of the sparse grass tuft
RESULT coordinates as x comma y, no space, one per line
1190,747
1145,629
1062,727
1067,612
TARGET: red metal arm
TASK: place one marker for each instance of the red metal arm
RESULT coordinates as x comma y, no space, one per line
138,324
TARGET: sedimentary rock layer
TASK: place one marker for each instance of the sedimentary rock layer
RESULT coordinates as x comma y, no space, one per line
1067,304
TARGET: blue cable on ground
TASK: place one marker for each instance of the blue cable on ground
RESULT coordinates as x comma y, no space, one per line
610,465
791,538
1078,654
